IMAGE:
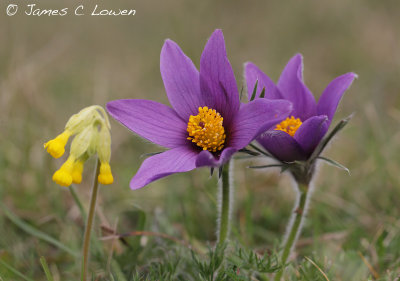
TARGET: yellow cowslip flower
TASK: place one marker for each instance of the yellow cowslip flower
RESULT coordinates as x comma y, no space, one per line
104,153
91,128
75,124
105,176
56,146
77,171
63,176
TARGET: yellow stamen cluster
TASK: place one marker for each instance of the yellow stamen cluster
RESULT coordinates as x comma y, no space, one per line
92,130
206,129
289,125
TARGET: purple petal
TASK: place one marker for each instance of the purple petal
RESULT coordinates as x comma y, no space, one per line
309,134
176,160
152,120
282,146
206,158
217,81
252,74
181,80
331,96
255,118
292,88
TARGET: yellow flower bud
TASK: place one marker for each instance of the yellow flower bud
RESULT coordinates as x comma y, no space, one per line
63,176
77,171
56,147
105,176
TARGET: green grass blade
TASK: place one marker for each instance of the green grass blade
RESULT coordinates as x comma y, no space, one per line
78,202
116,270
16,272
46,269
35,232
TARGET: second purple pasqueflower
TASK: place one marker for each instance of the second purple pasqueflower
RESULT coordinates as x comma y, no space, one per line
296,137
207,123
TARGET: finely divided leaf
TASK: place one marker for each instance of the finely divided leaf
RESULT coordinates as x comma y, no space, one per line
253,95
266,166
262,95
321,146
334,163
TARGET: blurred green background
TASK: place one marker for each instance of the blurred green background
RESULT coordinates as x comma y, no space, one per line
51,67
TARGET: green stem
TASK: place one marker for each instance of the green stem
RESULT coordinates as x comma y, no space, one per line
226,193
89,223
95,242
295,228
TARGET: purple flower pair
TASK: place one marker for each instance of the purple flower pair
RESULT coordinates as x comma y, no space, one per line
297,136
207,123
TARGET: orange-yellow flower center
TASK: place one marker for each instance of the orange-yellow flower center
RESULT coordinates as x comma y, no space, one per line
289,125
206,130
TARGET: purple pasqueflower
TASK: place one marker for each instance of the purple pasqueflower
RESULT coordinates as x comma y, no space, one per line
296,137
207,123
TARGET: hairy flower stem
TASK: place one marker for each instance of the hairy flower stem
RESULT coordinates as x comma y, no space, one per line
89,224
295,225
225,204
